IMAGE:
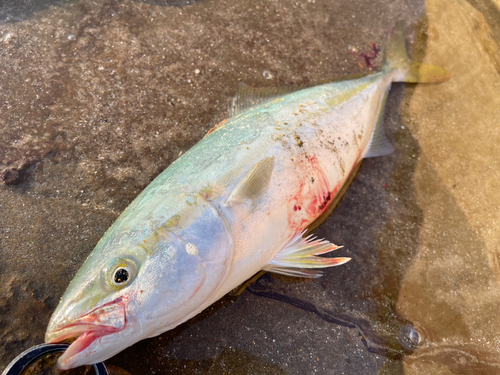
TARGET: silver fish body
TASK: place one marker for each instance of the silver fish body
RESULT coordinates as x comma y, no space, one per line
236,203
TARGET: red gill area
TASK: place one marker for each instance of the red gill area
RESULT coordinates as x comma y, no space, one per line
314,194
312,197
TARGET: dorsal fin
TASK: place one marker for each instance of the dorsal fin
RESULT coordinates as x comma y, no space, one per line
255,182
247,96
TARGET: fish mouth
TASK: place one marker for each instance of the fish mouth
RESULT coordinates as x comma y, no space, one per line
102,321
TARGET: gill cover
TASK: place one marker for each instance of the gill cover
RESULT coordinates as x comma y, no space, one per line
196,247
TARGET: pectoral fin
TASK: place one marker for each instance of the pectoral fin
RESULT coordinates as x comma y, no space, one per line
299,257
255,182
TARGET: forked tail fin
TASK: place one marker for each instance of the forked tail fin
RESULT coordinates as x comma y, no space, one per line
405,70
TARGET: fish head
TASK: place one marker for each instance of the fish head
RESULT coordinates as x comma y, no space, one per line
123,294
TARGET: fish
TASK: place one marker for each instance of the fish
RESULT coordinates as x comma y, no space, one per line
242,200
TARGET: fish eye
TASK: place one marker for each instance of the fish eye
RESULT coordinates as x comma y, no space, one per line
121,272
121,276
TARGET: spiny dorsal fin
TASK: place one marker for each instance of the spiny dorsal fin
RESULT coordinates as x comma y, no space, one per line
255,182
299,258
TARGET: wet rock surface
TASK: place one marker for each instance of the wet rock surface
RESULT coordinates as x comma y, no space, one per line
98,97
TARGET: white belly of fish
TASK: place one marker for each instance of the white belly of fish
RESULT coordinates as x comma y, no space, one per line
313,160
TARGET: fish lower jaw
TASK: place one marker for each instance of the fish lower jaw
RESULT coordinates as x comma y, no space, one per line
68,360
102,321
85,336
